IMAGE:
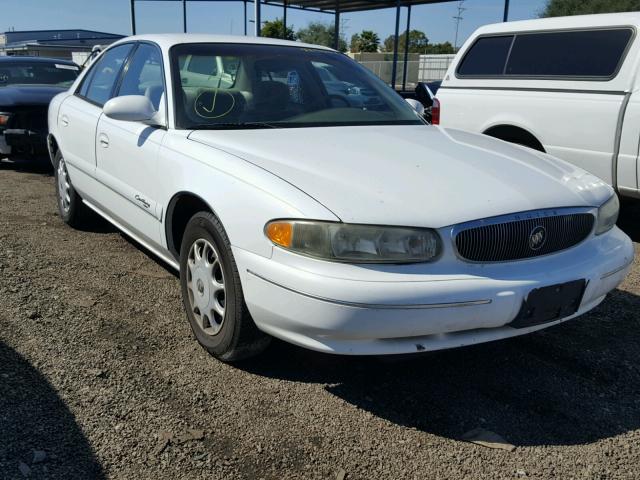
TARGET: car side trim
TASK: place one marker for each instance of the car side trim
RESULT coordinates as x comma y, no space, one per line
168,260
613,272
531,89
379,306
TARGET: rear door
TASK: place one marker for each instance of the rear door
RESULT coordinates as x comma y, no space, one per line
127,152
79,114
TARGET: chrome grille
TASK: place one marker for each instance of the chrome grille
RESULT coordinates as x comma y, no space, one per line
504,239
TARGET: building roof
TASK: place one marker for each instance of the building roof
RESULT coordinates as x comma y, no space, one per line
335,5
23,59
354,5
47,35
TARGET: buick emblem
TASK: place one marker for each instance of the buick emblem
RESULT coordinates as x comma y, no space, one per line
537,238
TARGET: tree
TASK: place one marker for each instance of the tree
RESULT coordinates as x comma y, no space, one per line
275,29
319,33
417,42
439,48
557,8
366,41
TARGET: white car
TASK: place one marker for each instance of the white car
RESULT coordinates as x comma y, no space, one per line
341,229
568,86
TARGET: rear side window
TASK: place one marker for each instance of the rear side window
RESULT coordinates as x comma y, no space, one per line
572,54
486,57
99,83
595,53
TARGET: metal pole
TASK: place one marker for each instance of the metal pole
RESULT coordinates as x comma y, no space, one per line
256,17
406,49
505,18
284,20
184,16
133,17
336,27
245,17
394,67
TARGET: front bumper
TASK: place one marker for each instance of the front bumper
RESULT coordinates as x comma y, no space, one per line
25,141
367,310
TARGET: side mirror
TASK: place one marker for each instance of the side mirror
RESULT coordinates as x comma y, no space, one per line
417,106
132,108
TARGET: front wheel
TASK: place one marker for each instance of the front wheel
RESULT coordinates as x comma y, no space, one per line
212,294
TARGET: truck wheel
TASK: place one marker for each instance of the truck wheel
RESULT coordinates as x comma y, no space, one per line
72,211
212,293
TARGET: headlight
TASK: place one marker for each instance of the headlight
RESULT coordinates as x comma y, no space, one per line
355,243
608,215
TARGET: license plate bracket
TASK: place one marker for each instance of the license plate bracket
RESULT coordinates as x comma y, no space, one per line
547,304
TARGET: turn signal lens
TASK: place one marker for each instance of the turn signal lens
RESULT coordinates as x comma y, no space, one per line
4,119
280,233
341,242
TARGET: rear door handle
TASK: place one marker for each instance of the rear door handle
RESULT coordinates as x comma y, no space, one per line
64,120
104,140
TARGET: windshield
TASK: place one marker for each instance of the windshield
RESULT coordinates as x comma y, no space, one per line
258,86
37,73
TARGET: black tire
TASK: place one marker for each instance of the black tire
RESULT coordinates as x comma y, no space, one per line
238,337
76,213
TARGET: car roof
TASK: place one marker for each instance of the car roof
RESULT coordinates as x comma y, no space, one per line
167,40
26,59
564,23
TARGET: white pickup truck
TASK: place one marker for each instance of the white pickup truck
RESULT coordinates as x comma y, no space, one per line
567,86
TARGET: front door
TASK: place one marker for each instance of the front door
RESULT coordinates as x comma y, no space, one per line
127,152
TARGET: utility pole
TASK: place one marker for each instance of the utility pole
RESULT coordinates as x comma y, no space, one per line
458,18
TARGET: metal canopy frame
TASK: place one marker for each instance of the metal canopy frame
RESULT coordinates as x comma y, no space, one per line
331,7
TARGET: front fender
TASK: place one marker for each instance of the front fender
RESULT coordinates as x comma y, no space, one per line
243,196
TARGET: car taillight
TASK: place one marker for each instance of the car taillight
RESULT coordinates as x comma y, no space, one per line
435,112
4,119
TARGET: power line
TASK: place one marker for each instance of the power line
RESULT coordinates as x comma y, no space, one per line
458,18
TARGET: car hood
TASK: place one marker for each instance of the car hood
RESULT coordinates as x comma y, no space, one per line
28,95
411,175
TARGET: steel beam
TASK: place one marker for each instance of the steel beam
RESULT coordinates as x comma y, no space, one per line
406,49
336,27
396,39
133,17
284,19
256,17
184,16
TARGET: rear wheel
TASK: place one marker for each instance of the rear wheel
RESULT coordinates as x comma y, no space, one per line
72,211
212,293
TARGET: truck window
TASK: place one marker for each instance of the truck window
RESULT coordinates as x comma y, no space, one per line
593,53
486,57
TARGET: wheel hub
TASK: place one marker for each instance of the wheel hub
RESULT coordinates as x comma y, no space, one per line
206,286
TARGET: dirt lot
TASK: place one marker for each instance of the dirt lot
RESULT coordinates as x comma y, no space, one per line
100,378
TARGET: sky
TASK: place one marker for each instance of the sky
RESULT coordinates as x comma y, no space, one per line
227,17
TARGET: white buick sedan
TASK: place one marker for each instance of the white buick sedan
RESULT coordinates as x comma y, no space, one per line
333,218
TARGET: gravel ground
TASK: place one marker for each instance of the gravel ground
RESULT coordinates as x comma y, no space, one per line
100,377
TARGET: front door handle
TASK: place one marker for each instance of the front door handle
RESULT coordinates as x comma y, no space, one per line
64,120
104,140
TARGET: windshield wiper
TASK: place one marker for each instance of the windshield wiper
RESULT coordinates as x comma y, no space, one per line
231,126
